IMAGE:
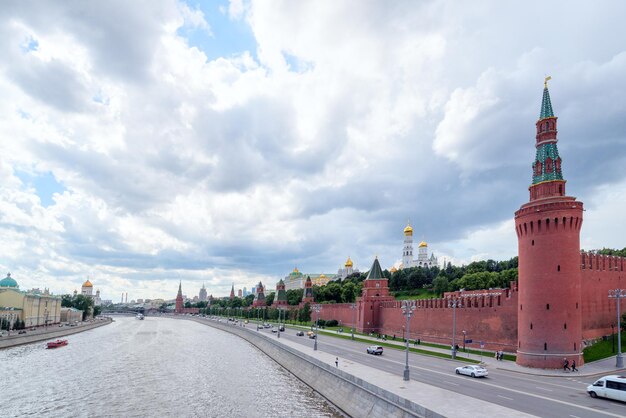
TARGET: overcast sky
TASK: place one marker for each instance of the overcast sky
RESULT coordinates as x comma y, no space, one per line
216,142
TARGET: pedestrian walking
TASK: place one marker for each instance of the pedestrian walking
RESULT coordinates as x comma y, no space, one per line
497,355
565,364
336,361
574,369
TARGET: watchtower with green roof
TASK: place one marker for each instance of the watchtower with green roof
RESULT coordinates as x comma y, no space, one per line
547,177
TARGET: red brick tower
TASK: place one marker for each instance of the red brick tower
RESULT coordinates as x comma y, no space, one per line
281,295
232,292
375,290
549,322
179,299
307,295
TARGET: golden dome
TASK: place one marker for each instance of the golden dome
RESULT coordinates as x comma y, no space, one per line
408,230
87,284
322,276
393,269
349,262
423,244
295,270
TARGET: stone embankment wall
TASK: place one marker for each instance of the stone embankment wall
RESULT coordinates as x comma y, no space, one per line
351,395
21,339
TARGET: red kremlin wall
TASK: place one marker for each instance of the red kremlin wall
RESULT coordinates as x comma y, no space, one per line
491,315
600,273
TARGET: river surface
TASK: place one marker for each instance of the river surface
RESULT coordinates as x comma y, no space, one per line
155,367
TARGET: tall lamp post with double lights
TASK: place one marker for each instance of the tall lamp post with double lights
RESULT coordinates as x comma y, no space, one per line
317,309
353,307
279,315
408,306
618,294
454,303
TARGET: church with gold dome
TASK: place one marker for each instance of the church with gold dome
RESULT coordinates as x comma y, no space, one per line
87,290
296,279
423,260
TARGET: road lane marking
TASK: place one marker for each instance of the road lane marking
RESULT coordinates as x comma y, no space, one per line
574,416
503,388
546,389
505,397
363,355
451,383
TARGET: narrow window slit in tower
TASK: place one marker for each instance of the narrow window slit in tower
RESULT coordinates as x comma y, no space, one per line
547,306
558,268
545,346
565,325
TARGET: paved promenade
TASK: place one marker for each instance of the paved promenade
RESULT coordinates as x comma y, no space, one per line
47,333
600,367
446,403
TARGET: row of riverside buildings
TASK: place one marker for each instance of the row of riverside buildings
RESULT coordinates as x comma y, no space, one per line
38,308
558,305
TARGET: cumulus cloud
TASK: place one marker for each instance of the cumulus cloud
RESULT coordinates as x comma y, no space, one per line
345,119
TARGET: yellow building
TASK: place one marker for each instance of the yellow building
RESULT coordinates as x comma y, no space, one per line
35,308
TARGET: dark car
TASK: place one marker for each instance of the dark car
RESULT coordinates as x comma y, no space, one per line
22,331
300,333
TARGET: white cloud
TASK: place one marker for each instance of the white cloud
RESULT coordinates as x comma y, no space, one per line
348,118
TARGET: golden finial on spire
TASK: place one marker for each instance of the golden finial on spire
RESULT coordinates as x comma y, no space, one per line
545,81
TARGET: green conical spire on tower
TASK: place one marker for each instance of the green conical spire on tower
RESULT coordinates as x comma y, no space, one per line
546,104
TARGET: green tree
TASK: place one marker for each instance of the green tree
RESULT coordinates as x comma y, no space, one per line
440,285
348,292
269,299
294,296
304,314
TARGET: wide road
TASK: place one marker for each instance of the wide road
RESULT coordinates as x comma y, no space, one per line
536,395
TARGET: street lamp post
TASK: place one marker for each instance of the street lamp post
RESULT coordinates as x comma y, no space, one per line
317,309
257,319
279,315
618,294
408,306
464,335
454,303
353,307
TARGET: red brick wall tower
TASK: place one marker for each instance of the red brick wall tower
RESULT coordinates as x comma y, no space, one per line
549,323
179,299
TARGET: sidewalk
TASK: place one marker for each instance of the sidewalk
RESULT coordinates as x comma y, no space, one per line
600,367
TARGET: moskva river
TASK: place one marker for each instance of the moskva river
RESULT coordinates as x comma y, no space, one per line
155,367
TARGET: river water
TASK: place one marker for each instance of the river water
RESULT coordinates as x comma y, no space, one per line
155,367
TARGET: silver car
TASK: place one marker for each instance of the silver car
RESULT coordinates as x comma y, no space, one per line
474,371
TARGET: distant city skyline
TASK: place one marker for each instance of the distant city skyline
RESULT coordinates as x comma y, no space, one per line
220,142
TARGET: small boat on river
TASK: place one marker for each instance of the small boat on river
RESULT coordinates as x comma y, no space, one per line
57,343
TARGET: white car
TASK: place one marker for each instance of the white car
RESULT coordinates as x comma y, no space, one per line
375,349
474,371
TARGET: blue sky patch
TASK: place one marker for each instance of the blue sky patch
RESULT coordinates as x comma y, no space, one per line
45,185
29,44
229,37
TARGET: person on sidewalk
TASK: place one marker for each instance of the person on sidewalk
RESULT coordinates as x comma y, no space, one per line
574,369
565,364
336,361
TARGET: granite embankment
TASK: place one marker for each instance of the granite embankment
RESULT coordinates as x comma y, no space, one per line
354,396
53,332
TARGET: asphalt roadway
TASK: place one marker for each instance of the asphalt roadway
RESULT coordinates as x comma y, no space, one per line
556,395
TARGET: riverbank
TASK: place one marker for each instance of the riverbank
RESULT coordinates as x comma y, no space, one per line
52,332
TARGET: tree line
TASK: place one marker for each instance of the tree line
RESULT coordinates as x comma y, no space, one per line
82,303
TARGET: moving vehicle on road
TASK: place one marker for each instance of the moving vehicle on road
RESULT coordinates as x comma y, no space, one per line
472,370
311,335
300,333
375,349
611,387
